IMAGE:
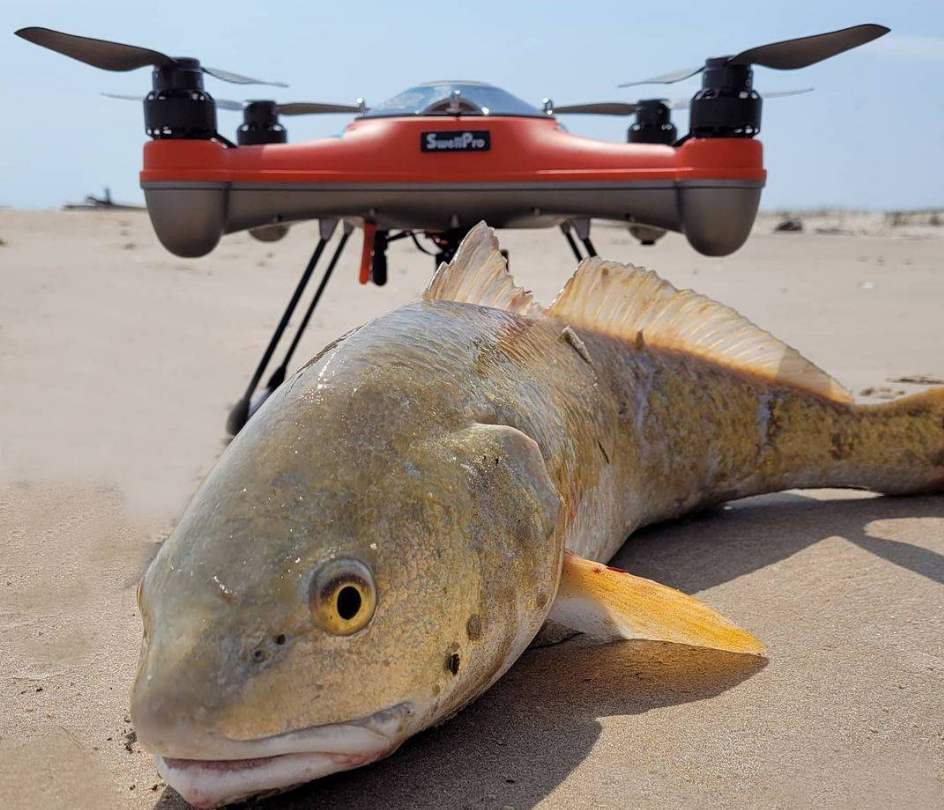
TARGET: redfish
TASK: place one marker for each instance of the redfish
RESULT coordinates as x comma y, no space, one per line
396,524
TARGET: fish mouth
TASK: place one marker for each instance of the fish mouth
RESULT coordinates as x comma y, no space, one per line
234,770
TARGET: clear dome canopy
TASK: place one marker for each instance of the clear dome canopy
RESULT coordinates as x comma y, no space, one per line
454,98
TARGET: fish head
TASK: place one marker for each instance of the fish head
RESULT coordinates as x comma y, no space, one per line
362,562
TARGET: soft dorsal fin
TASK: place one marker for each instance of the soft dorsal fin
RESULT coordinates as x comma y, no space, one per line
636,305
478,274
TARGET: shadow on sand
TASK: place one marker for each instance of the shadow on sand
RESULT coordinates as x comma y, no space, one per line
722,544
518,742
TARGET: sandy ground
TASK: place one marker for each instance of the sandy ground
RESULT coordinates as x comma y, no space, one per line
118,363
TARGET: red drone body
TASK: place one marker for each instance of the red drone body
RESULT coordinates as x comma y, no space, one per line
437,174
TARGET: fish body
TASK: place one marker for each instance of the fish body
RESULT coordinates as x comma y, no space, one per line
393,528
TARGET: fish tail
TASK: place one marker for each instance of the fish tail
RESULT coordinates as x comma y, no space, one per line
896,448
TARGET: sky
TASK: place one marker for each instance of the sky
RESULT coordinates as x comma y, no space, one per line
870,136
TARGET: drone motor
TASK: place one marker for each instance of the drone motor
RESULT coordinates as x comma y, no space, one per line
653,123
178,106
261,125
727,106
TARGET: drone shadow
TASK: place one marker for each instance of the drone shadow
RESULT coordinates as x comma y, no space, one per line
521,740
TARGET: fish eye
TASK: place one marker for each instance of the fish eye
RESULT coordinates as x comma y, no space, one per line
343,596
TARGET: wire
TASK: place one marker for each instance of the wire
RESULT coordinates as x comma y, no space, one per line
225,141
419,247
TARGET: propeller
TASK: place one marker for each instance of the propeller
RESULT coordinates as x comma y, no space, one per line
790,54
117,56
317,108
597,108
289,108
685,103
620,108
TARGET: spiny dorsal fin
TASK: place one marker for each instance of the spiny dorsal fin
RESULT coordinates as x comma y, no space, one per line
636,305
478,274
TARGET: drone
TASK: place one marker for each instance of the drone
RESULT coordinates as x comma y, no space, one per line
436,159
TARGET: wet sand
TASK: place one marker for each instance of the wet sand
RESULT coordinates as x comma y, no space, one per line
118,363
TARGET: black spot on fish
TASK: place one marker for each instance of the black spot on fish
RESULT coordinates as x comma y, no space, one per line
839,448
452,663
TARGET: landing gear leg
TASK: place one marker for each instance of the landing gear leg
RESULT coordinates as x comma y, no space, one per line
240,413
278,376
565,229
582,227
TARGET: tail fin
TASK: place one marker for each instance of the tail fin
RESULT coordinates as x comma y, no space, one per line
896,448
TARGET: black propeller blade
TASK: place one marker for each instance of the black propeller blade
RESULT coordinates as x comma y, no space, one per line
790,54
685,103
316,108
598,108
221,103
621,108
117,56
793,54
289,108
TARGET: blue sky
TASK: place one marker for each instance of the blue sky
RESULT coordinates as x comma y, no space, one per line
871,136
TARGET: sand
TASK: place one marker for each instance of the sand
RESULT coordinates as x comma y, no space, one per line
118,363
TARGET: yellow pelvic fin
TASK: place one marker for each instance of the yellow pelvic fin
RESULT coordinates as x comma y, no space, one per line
636,305
610,604
478,274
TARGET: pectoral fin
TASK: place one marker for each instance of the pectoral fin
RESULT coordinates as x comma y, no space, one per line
610,604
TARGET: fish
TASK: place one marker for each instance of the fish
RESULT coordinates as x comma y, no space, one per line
398,522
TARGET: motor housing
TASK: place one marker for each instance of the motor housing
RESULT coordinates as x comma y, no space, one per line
261,125
653,123
178,107
727,106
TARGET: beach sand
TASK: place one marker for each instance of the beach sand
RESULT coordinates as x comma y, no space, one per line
119,362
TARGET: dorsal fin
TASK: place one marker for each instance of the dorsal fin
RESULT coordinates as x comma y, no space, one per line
478,274
636,305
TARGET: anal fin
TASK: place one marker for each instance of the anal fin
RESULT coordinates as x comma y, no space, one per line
611,604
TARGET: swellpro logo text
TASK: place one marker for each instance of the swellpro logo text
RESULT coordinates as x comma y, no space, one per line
456,141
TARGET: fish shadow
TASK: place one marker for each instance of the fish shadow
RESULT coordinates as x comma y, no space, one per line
721,544
518,742
522,739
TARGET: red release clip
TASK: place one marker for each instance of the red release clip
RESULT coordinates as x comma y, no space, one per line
370,229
